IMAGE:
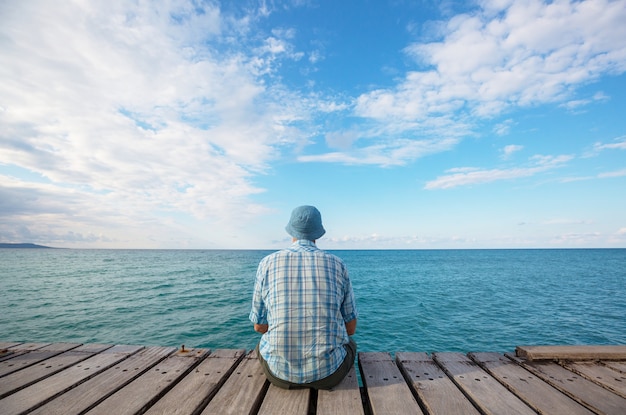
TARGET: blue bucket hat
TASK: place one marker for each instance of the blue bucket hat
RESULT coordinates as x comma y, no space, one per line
305,223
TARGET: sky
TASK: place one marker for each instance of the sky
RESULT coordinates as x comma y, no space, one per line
415,124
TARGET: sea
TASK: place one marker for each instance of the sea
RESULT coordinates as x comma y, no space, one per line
408,300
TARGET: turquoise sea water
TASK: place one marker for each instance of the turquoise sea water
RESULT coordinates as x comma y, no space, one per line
439,300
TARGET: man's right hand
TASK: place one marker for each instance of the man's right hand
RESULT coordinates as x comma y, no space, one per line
261,328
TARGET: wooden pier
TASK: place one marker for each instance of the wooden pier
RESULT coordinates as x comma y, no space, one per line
64,379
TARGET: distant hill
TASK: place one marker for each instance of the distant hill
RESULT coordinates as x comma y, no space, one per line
3,245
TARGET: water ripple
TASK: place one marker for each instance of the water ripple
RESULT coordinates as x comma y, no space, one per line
483,300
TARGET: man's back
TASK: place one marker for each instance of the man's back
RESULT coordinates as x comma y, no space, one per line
305,296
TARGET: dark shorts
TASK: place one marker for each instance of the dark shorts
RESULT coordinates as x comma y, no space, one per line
326,383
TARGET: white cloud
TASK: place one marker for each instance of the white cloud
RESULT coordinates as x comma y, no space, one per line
462,169
478,177
470,177
394,242
341,140
611,174
577,104
141,115
139,107
502,56
508,151
506,54
619,144
577,239
315,56
503,128
392,153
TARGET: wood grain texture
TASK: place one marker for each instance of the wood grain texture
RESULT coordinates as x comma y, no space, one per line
538,394
343,399
147,388
50,387
485,392
587,393
95,390
571,352
200,385
71,379
242,391
387,391
436,391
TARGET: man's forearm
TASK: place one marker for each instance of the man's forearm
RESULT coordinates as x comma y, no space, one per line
351,327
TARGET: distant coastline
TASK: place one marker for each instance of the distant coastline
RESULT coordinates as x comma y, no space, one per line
24,245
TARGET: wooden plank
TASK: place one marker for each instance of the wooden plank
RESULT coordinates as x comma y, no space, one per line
581,390
343,399
436,391
142,392
88,394
29,347
485,391
600,374
34,373
4,349
200,385
571,352
29,354
243,389
20,348
287,402
5,345
387,391
539,395
39,393
617,366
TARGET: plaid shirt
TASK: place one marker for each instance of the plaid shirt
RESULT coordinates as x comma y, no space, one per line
305,296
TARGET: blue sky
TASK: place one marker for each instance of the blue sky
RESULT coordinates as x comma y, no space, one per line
409,124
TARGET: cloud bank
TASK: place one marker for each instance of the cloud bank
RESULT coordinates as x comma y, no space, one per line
138,107
127,120
502,56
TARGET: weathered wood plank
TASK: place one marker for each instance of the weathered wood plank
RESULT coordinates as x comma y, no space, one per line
485,391
279,401
28,354
539,395
4,348
571,352
34,373
343,399
581,390
200,385
69,379
242,391
20,348
29,347
436,391
5,351
8,355
5,345
600,374
147,388
387,391
617,366
41,392
90,393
